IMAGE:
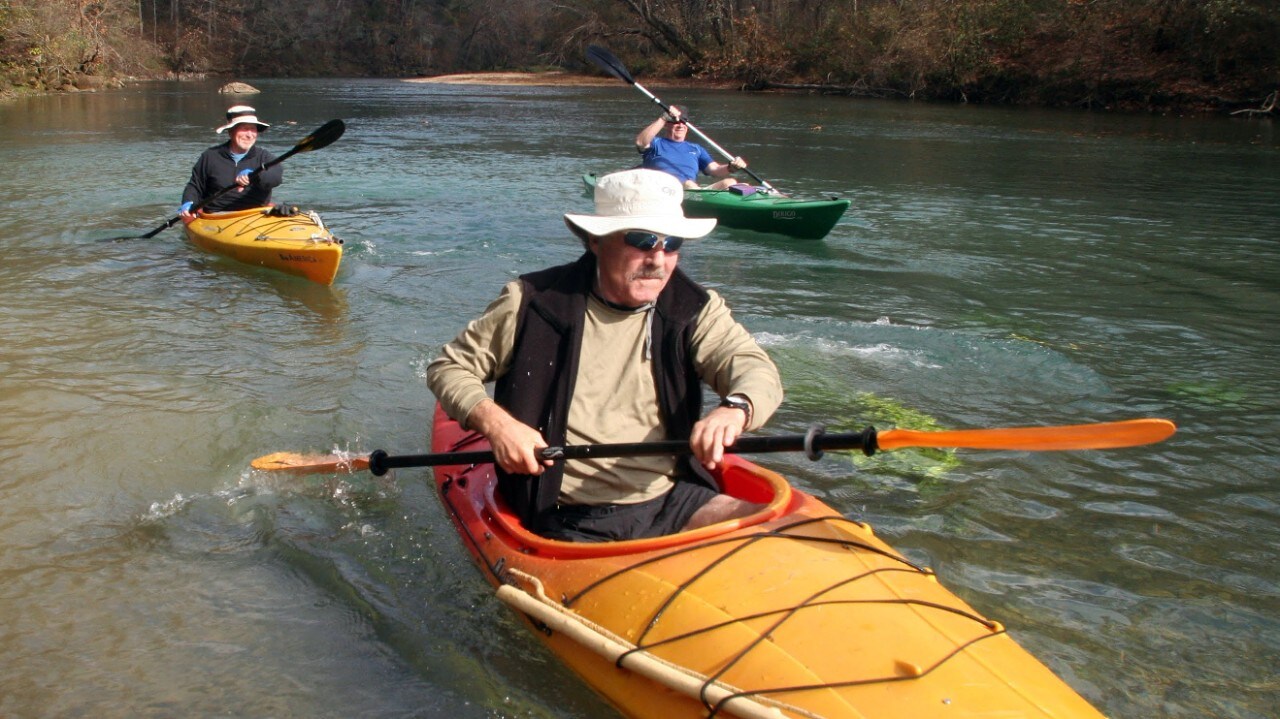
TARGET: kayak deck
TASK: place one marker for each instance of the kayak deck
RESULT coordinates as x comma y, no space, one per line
297,244
795,611
752,208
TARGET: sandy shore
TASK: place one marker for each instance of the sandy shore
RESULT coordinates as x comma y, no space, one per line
517,78
560,78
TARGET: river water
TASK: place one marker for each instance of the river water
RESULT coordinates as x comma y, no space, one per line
999,267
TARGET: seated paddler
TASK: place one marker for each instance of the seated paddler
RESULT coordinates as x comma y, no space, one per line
614,347
663,145
237,162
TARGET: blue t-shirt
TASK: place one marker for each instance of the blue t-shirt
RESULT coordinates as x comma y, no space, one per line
682,159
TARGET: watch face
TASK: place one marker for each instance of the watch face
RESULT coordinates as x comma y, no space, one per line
741,403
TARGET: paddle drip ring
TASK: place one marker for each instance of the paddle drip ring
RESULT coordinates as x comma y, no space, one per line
869,446
815,432
378,462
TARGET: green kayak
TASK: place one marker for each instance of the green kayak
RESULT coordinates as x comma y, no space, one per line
752,208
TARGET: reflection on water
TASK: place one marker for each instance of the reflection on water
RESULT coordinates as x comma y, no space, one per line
998,267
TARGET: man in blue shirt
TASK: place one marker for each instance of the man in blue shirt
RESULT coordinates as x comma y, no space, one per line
674,155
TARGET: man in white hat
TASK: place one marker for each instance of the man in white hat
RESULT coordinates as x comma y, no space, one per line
611,348
238,161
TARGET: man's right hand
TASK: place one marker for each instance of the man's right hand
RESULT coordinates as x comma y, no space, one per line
516,445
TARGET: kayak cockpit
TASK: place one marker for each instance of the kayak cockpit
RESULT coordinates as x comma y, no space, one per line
753,485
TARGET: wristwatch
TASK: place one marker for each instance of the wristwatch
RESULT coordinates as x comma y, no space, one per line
739,401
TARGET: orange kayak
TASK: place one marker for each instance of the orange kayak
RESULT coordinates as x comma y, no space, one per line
795,611
298,244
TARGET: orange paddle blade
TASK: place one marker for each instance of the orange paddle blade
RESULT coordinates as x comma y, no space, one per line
1103,435
309,463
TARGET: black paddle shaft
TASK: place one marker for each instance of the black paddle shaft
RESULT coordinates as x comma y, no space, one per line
813,443
326,135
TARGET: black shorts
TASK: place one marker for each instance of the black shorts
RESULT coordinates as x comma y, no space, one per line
611,522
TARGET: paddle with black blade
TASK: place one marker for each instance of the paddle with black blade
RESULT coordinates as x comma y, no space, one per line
1102,435
326,135
612,65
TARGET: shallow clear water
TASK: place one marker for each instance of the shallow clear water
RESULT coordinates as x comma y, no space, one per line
998,268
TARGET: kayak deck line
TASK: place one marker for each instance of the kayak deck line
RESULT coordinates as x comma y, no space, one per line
780,531
626,655
264,233
994,626
905,669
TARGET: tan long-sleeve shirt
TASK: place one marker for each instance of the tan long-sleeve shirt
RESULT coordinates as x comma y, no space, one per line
614,399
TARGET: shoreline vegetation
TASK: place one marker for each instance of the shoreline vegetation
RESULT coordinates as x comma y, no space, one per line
1159,56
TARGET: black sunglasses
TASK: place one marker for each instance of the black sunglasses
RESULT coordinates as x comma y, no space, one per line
647,241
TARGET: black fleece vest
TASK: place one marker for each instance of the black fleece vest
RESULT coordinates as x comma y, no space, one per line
539,386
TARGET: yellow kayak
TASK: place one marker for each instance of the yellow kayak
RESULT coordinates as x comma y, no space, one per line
298,244
795,611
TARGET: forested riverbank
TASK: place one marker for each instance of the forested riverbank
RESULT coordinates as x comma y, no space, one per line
1157,55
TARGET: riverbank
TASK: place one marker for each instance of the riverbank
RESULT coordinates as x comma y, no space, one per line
556,77
1175,102
1180,103
514,78
1158,58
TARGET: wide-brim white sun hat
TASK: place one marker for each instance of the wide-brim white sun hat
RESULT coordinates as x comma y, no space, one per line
241,120
646,200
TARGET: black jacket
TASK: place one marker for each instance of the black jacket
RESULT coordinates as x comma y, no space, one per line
215,170
538,387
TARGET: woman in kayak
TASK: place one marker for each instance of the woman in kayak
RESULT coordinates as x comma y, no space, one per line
233,163
611,348
680,158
